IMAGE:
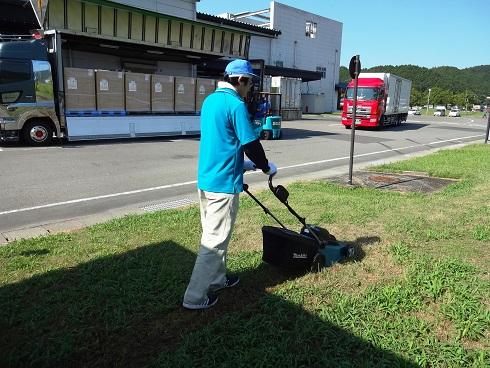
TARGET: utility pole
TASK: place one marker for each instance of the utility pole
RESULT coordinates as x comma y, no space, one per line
488,120
428,99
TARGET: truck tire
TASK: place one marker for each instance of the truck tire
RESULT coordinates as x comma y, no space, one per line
38,133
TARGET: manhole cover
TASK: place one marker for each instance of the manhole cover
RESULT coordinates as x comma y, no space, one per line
384,179
396,182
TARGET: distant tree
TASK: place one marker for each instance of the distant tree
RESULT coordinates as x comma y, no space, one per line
475,81
416,98
460,99
344,74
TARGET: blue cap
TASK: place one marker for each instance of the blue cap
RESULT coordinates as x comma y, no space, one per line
240,67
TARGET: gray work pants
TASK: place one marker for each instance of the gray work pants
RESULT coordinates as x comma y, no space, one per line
218,214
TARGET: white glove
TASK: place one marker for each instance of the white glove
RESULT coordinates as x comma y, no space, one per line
249,166
272,169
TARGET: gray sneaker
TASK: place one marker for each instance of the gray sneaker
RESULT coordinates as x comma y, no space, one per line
207,303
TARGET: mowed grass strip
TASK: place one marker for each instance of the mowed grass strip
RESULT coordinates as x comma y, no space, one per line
417,294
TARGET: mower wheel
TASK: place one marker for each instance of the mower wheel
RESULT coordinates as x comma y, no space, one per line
318,263
267,135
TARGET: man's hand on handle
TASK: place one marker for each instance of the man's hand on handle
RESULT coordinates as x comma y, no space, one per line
249,166
272,170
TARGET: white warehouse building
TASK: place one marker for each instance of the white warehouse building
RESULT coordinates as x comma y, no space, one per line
307,42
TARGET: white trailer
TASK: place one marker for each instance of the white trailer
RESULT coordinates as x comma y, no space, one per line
397,92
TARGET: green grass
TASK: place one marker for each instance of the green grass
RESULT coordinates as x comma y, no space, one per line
417,294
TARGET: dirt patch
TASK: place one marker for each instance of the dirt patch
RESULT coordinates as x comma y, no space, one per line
404,182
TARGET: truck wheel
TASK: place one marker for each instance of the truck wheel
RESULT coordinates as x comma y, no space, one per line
38,133
347,126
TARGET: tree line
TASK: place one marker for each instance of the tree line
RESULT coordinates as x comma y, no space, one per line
448,85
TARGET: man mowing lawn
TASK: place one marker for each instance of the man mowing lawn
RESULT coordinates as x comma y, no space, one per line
226,133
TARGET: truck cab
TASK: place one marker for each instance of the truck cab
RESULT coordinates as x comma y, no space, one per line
27,103
370,100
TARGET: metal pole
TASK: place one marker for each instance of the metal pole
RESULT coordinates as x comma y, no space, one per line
353,125
488,124
428,99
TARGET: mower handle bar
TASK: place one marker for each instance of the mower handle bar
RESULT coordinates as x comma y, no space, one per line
282,194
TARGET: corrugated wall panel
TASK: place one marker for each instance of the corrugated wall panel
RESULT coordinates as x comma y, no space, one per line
162,31
186,35
56,14
197,37
107,23
74,15
136,26
236,44
91,18
207,39
226,42
122,22
175,33
150,25
218,37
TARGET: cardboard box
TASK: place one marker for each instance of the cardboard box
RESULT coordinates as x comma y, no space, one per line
185,94
162,93
79,89
204,87
110,90
138,96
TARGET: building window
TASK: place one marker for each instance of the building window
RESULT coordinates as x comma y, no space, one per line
311,29
322,70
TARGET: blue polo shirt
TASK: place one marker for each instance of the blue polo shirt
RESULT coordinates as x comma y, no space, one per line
225,128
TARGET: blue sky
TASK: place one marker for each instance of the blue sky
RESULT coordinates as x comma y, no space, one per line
426,33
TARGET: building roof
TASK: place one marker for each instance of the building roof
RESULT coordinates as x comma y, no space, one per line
233,23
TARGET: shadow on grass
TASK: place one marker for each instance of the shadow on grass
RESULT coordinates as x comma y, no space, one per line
125,310
359,245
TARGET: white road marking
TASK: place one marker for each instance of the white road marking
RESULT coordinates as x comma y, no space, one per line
378,152
30,148
1,150
81,200
99,197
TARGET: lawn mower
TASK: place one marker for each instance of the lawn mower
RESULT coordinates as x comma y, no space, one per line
310,250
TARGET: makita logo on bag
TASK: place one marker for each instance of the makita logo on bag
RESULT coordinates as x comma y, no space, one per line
300,256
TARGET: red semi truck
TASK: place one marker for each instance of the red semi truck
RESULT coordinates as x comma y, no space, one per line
382,99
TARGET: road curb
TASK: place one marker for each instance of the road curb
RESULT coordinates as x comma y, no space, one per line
74,224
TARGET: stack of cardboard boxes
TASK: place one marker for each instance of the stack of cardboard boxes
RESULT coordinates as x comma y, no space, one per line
138,95
110,90
162,93
87,90
80,89
203,89
185,94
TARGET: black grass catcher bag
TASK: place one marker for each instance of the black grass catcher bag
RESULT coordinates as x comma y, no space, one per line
310,250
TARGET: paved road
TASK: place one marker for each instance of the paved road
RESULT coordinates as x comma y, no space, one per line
87,182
